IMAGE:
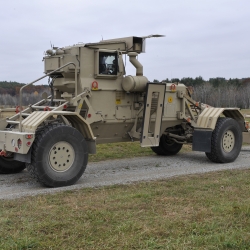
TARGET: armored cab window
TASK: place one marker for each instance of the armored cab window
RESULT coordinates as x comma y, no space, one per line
106,64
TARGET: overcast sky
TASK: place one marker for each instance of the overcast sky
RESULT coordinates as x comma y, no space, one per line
208,38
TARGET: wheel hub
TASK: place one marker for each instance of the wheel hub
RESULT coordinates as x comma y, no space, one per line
228,141
61,156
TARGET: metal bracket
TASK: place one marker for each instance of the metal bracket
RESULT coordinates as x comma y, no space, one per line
151,138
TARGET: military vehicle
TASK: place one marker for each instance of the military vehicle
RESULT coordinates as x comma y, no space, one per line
93,101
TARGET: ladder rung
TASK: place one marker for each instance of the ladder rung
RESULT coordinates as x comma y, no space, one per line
12,122
42,107
26,114
57,100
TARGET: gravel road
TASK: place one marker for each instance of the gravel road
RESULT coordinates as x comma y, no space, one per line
124,171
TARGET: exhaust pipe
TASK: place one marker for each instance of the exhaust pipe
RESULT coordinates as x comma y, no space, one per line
136,63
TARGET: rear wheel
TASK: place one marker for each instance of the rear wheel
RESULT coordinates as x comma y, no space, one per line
9,166
226,141
167,146
59,156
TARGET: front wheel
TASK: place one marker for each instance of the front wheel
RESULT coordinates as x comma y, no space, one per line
226,141
59,155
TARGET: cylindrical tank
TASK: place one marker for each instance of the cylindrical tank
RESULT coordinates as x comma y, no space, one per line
134,83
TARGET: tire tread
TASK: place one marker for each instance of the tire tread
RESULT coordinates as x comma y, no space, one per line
32,167
166,149
215,154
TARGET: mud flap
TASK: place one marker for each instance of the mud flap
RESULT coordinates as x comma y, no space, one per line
23,157
154,104
202,140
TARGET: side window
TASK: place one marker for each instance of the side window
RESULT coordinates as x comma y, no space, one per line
108,63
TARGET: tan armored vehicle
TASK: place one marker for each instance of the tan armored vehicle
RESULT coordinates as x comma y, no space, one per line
93,101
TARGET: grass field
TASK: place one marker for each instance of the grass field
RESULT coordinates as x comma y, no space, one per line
123,150
210,211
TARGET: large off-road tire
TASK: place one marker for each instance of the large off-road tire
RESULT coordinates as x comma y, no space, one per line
167,147
10,166
59,155
226,141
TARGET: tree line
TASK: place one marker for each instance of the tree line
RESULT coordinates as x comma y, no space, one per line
9,93
218,92
13,88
